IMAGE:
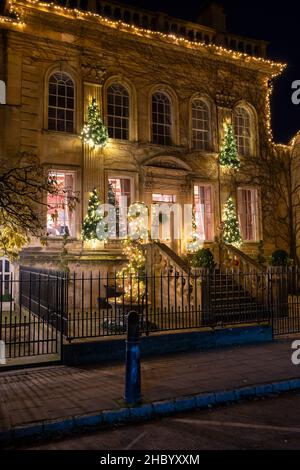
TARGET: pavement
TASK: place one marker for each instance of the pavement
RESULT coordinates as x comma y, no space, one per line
259,424
61,399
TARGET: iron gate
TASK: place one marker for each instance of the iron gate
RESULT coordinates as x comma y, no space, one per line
32,316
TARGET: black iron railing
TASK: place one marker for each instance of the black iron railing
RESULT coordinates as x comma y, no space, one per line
39,309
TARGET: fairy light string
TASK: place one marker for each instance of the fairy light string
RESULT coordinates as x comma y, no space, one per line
74,13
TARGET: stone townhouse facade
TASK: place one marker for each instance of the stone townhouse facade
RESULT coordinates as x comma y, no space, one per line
165,88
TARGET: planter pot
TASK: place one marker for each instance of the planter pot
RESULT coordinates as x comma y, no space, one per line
118,322
113,291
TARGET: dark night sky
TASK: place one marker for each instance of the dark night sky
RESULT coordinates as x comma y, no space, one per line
276,22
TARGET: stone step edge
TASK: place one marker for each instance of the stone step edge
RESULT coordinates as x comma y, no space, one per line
143,412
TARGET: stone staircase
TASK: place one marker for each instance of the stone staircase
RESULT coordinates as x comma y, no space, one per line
234,296
236,291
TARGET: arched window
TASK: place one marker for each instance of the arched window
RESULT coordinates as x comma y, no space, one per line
118,112
2,92
242,129
161,119
61,103
201,135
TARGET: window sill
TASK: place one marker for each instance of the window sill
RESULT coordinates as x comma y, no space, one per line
69,134
119,141
58,238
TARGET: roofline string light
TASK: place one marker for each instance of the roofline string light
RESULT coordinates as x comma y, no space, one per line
179,40
17,21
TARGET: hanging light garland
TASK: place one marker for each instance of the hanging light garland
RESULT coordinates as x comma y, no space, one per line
74,13
179,40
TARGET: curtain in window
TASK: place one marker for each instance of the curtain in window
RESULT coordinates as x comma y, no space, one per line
247,208
204,211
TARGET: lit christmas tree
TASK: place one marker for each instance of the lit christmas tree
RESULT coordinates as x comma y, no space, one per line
230,226
91,219
132,275
94,131
229,156
111,195
194,243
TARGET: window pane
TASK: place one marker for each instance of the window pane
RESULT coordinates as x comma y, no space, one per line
248,213
161,119
60,217
204,212
119,187
61,98
200,125
242,128
118,112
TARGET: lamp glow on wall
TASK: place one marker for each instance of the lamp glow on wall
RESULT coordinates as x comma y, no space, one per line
94,132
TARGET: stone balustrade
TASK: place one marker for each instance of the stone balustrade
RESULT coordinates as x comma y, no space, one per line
158,21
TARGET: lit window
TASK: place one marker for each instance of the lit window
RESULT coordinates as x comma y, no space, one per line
168,198
61,103
161,119
242,128
2,92
60,215
200,125
248,213
118,112
119,188
204,211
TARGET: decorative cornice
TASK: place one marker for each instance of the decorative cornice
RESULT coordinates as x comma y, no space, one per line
224,100
92,71
272,68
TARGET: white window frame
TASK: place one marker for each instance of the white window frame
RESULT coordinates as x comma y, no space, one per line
114,116
65,109
242,121
167,133
201,125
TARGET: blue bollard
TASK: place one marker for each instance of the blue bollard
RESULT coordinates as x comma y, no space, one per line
133,361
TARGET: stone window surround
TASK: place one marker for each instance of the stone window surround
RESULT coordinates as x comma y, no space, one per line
212,120
133,133
64,68
167,90
133,127
254,144
78,191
